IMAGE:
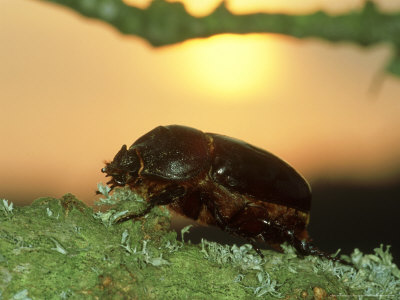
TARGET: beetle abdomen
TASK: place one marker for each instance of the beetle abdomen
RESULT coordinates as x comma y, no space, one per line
248,170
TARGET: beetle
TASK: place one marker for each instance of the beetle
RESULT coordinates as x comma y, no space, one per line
218,180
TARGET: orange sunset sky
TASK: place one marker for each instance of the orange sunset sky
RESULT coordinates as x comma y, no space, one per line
73,90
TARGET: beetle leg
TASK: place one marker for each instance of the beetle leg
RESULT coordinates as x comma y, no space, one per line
132,215
255,247
219,219
232,230
303,247
309,249
167,196
281,232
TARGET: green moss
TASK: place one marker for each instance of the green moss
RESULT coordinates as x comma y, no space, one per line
61,249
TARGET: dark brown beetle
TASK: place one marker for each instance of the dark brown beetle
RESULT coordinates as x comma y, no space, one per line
218,180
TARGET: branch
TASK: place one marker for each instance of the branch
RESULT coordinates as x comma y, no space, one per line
164,23
60,248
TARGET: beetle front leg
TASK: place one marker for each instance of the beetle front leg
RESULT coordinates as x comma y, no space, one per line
167,196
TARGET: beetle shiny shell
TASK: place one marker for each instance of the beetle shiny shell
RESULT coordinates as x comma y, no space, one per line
217,180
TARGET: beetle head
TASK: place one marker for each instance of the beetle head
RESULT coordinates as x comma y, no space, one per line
124,167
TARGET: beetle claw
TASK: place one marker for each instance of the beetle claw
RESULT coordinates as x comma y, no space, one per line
308,248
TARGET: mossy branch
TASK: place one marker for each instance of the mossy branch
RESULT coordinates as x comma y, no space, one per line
164,23
60,249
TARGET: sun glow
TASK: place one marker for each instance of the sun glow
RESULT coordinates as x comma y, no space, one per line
231,66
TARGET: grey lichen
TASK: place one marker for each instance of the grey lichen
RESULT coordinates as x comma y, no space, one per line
6,207
75,253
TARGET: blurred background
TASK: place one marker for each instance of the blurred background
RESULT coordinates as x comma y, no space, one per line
73,90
